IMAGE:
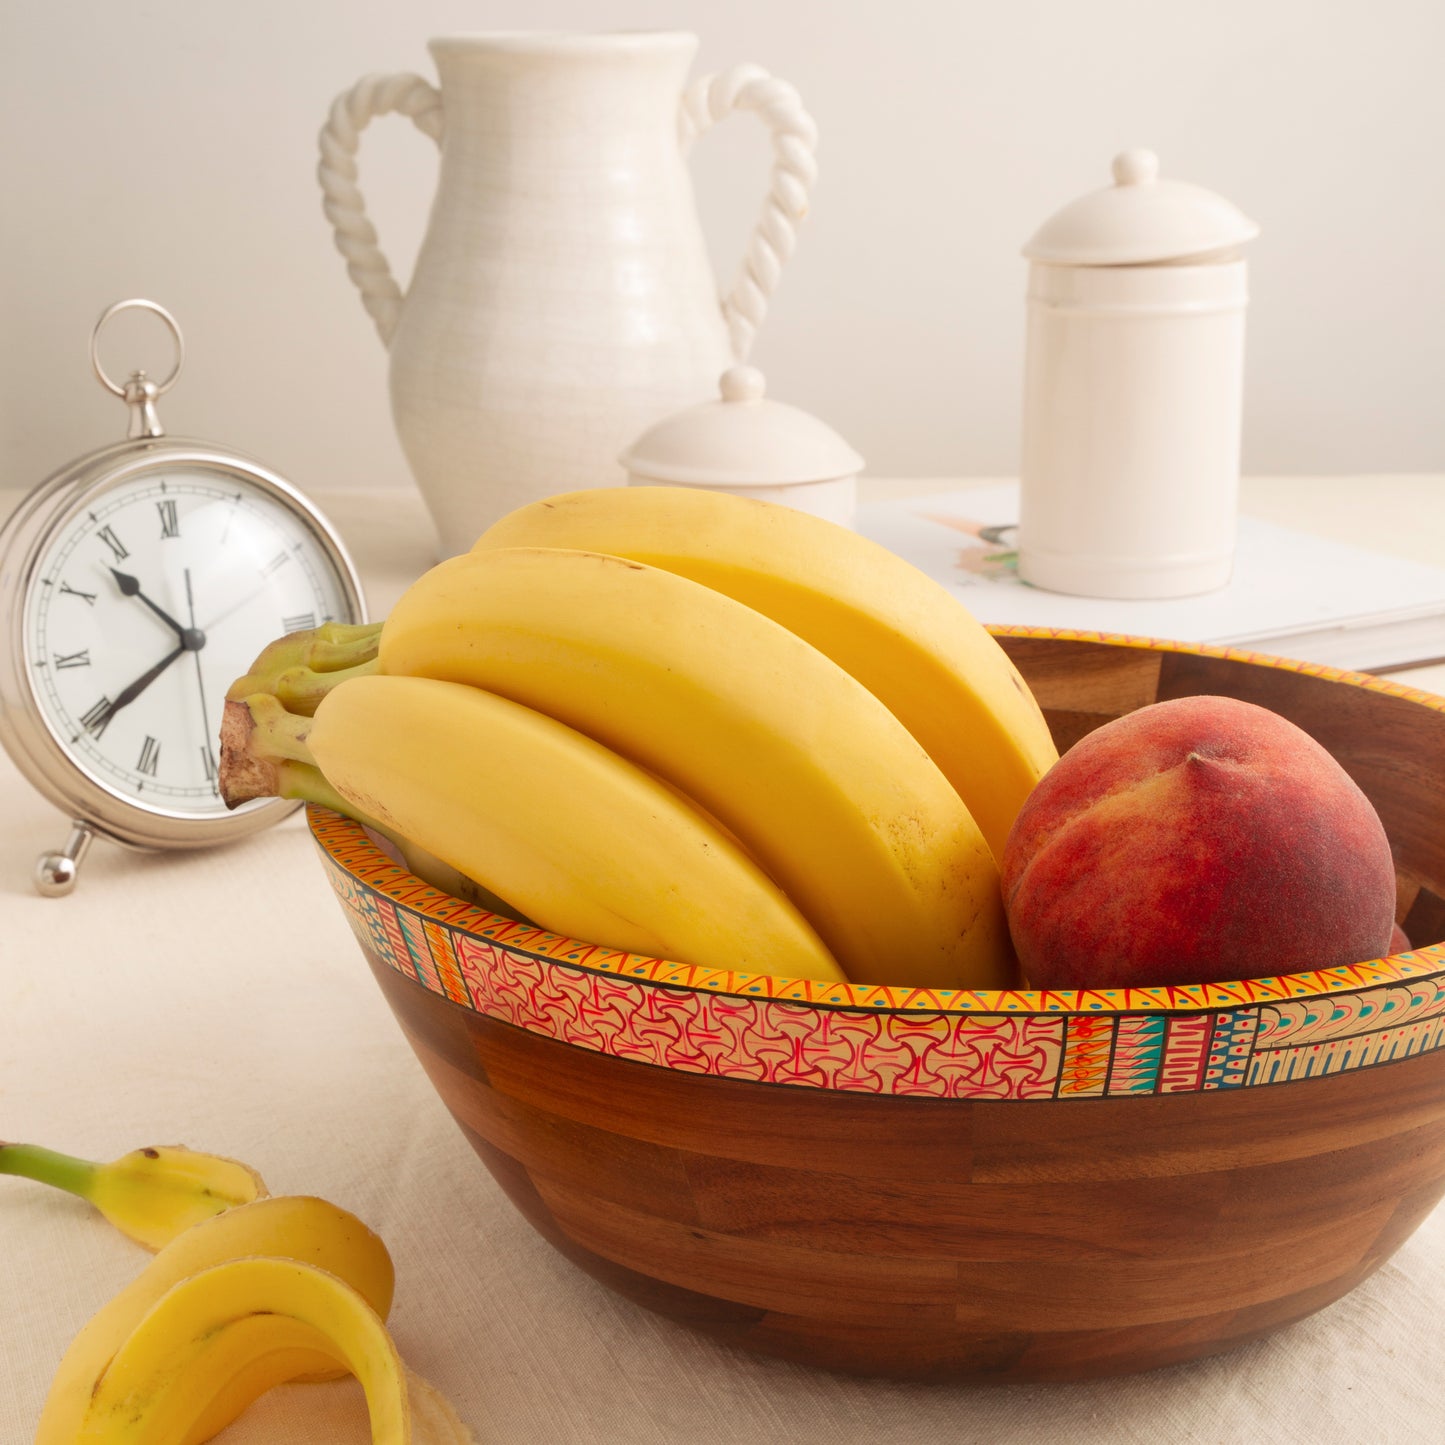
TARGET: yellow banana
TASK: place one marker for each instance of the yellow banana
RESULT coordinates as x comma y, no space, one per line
311,1231
150,1194
903,636
308,785
220,1323
579,839
823,785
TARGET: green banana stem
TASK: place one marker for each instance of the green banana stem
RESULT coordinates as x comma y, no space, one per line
46,1166
335,647
257,733
265,720
300,689
306,783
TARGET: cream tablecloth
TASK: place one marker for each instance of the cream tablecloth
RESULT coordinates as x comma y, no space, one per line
218,999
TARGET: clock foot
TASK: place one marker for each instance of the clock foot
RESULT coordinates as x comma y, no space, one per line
55,873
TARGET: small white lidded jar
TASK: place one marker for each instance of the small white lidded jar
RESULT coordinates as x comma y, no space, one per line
753,447
1133,390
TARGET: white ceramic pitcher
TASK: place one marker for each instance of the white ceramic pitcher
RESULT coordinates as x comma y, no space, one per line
562,300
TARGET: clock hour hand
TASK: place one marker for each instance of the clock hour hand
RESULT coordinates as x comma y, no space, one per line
192,638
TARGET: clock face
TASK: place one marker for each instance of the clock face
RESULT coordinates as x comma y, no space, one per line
143,609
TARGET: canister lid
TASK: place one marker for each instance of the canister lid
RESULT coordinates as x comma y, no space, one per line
743,439
1140,219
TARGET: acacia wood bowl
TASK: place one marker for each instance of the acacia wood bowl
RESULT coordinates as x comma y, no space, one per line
1014,1186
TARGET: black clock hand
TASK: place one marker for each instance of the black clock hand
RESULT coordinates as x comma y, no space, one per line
200,681
192,640
98,719
130,587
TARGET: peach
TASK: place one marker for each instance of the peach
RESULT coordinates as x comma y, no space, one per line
1195,841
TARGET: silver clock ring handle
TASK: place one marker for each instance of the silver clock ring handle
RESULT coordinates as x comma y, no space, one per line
137,303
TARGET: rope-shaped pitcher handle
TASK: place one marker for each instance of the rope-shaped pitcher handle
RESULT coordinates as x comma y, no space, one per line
795,137
351,112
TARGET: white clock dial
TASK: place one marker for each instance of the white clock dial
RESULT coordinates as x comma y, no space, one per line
147,605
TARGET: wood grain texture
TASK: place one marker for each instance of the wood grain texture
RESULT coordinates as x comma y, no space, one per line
954,1238
1037,1240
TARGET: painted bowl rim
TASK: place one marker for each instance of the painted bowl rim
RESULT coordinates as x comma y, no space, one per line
422,933
394,882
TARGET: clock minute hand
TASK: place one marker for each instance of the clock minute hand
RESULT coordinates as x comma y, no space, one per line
130,587
192,639
131,691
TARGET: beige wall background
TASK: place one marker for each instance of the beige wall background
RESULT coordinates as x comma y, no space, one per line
167,148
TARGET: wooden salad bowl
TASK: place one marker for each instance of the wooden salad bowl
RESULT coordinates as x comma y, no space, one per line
1007,1185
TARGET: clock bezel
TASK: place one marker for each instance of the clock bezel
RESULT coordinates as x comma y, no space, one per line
25,538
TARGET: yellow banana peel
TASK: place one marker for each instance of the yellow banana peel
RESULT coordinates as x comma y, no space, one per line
307,1230
150,1194
233,1319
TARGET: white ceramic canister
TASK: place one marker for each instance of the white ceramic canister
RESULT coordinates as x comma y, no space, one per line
754,447
1133,390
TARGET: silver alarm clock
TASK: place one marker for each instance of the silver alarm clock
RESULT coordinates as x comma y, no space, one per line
136,584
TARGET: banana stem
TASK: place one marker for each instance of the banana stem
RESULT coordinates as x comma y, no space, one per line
301,689
335,647
306,783
46,1166
257,733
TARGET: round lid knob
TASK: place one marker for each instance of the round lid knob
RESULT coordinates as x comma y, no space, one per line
1135,168
1140,219
743,383
741,440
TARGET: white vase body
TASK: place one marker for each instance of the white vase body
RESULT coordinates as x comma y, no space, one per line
563,298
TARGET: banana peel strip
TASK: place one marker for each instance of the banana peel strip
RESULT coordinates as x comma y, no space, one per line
169,1383
217,1336
220,1322
433,1420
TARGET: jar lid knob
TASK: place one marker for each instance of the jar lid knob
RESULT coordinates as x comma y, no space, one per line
1136,168
743,383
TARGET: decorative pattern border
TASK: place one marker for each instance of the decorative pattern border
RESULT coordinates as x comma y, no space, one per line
1011,1044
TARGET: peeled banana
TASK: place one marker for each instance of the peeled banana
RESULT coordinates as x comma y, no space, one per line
818,779
299,1228
574,836
898,632
150,1194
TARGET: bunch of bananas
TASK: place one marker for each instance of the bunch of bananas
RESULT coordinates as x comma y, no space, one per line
679,723
246,1291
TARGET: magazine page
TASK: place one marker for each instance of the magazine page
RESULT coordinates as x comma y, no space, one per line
1286,583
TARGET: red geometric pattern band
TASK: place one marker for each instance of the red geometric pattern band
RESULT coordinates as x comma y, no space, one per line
1008,1045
